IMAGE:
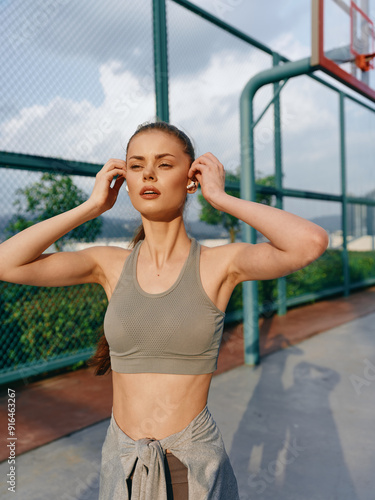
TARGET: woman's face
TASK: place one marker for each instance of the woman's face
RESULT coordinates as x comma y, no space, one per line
156,160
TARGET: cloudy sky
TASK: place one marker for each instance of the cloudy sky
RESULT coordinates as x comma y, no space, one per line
77,79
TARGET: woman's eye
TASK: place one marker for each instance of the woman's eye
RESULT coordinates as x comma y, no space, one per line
161,165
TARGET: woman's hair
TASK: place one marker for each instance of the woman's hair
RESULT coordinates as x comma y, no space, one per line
101,359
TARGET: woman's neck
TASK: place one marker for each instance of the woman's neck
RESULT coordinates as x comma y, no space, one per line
164,240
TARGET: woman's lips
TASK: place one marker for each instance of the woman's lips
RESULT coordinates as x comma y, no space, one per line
149,196
150,187
149,192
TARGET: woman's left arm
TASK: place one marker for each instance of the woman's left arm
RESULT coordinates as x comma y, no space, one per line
294,242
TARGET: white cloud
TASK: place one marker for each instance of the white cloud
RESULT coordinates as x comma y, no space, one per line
287,44
79,130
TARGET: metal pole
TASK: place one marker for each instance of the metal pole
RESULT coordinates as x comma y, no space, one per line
247,191
160,60
344,205
250,288
281,282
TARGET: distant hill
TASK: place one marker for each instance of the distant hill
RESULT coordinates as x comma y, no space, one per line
114,227
117,228
120,228
330,223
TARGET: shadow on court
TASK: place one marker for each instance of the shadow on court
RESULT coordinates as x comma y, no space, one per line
305,430
294,450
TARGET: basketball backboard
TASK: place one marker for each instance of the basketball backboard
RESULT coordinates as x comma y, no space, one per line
343,42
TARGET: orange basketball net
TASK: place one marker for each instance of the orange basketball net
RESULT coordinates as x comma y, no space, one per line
364,61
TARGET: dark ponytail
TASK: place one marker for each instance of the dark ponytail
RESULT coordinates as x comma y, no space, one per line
101,359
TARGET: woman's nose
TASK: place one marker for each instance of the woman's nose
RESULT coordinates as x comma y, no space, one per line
149,172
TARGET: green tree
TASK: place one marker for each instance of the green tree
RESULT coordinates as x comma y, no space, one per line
269,181
210,215
52,195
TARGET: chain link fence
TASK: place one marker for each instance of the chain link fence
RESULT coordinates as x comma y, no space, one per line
77,79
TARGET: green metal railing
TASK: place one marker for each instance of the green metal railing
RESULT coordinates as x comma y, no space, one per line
249,188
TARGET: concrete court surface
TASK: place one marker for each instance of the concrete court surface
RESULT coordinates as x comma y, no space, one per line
301,426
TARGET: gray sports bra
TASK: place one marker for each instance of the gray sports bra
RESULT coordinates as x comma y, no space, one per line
176,331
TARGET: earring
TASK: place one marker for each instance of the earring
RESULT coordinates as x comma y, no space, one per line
192,184
126,187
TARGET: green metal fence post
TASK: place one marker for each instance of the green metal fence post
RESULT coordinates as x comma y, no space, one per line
247,191
281,282
345,257
160,59
250,288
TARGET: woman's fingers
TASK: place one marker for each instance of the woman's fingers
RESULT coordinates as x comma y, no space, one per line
114,163
103,195
210,173
113,167
205,160
112,173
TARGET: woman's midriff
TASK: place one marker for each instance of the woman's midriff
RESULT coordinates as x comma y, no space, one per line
156,405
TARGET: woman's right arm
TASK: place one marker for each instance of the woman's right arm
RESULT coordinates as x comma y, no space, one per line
21,259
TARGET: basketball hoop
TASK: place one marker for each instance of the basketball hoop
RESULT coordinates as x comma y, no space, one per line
343,42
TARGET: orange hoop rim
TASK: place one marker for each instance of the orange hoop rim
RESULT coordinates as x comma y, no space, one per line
365,61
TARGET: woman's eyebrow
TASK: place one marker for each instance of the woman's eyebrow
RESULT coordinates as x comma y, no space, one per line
156,156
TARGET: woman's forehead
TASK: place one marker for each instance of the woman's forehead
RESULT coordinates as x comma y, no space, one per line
154,142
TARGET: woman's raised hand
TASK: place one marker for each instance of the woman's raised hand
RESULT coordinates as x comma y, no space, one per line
211,175
103,195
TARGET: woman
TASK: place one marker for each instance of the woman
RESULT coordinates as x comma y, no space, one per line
164,320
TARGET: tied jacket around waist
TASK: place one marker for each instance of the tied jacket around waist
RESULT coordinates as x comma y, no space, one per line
199,446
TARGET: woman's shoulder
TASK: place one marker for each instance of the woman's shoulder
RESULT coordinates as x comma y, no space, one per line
218,257
219,250
104,253
110,259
